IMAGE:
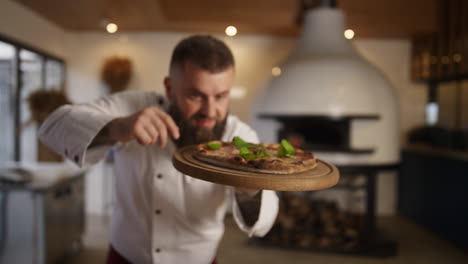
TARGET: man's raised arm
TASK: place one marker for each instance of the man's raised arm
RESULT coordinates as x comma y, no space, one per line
84,133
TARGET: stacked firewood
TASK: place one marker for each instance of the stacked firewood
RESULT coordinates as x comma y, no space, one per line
309,223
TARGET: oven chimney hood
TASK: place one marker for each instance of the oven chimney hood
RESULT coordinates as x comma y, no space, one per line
324,76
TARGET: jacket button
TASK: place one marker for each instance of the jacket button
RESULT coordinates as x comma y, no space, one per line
160,176
160,100
157,250
158,211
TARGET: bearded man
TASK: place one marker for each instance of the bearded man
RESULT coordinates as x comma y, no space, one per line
161,215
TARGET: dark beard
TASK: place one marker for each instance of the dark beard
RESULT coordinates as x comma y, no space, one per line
190,134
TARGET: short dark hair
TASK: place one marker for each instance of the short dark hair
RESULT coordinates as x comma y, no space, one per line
204,51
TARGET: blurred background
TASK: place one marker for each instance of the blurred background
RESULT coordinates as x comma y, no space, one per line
378,88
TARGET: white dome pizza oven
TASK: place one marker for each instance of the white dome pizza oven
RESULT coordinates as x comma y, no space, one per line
330,100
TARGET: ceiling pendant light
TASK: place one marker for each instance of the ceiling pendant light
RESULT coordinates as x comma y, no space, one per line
349,34
231,31
111,28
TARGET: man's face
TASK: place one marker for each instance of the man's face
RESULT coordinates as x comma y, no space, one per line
200,99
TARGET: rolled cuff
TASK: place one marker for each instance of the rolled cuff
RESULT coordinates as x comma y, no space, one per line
70,133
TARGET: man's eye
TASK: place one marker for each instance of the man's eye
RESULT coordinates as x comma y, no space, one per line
195,96
221,96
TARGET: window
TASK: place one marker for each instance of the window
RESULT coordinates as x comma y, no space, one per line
54,74
23,70
7,120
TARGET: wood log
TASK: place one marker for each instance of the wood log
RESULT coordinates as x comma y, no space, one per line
305,223
325,242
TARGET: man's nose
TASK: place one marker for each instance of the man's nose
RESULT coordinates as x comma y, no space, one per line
209,107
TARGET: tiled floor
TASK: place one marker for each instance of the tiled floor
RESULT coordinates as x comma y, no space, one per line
416,245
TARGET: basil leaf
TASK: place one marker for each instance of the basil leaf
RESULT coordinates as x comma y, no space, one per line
249,156
250,145
288,147
281,152
244,150
261,155
214,145
239,142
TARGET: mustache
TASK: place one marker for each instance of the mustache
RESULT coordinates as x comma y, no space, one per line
190,134
202,117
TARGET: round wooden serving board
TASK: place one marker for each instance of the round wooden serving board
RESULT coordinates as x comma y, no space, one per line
325,175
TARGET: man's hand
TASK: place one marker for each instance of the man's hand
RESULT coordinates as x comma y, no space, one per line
249,201
146,126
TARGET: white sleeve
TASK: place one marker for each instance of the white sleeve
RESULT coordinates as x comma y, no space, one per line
70,129
269,201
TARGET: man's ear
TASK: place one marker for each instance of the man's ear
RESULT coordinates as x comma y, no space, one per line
168,87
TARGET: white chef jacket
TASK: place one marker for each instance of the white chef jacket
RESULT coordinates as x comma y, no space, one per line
160,215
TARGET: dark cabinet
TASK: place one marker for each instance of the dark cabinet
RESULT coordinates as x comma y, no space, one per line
433,192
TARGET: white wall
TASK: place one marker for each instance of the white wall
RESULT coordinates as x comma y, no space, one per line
24,25
448,99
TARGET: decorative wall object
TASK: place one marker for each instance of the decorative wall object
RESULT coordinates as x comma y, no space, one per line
116,73
42,103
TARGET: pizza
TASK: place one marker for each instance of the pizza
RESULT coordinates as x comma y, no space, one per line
279,158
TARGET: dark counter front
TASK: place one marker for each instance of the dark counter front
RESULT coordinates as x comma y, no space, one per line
433,191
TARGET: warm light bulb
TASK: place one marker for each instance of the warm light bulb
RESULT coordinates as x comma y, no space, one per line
276,71
111,28
349,34
231,31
